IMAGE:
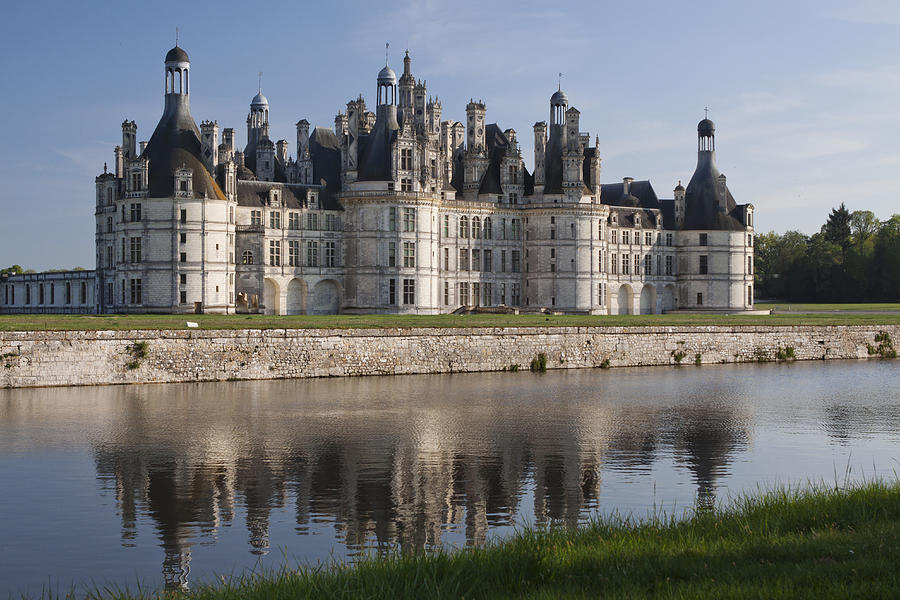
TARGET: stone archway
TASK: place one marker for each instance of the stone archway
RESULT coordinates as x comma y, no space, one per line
271,297
324,298
648,300
624,299
296,297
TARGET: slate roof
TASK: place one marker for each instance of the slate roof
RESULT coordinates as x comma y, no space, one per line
641,195
175,143
325,152
177,54
701,199
375,148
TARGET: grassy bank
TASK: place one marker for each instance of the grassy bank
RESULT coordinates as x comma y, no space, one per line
822,543
121,322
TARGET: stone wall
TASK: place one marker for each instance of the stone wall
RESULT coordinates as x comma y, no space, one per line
30,359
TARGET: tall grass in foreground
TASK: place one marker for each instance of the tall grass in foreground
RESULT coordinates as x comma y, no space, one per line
789,543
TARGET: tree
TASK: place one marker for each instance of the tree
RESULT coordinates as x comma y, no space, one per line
837,228
13,270
863,225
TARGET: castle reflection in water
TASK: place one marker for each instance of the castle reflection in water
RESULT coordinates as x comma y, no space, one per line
384,460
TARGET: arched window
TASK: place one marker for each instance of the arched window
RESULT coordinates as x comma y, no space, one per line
488,229
464,227
476,228
247,258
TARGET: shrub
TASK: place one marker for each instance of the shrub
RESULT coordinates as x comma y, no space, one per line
539,363
698,359
678,355
604,364
786,353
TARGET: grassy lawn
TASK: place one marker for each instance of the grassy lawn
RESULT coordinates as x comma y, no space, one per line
121,322
821,543
800,307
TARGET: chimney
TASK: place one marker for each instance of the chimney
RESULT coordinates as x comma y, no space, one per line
626,185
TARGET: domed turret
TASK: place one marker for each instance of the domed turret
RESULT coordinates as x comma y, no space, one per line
178,68
559,98
177,54
387,76
259,100
706,128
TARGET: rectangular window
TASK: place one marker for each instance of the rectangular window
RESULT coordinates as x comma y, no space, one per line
330,222
503,229
614,236
516,258
275,253
668,239
637,264
41,293
464,293
312,221
749,265
488,261
255,218
409,219
476,294
406,185
293,220
670,265
136,291
659,264
392,291
626,237
392,254
109,256
699,299
487,294
476,259
231,214
183,215
312,254
392,218
109,225
446,259
446,293
183,279
648,265
182,297
406,159
135,246
503,261
183,257
275,219
409,291
463,264
330,260
409,254
446,230
135,212
704,239
704,264
516,294
750,294
614,266
648,238
293,253
516,229
750,239
626,266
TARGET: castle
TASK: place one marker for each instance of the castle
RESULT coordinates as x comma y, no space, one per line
394,211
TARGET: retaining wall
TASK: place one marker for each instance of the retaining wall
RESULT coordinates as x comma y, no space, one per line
29,359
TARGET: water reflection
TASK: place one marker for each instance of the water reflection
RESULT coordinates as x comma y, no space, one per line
376,464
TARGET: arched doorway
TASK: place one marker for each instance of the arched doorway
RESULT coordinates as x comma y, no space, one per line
623,299
271,297
296,297
668,301
324,298
648,300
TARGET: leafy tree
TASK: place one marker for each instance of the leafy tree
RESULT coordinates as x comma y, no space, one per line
863,225
837,228
13,270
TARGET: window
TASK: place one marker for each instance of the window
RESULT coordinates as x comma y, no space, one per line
600,261
750,239
312,254
52,293
553,233
246,258
464,227
659,269
41,293
231,214
406,185
503,229
69,293
513,174
182,238
135,289
109,256
516,294
749,265
668,239
670,265
476,259
27,294
626,237
513,198
409,219
704,264
136,212
446,259
648,238
486,294
516,259
614,236
392,254
613,265
446,226
637,264
255,218
446,293
749,294
293,253
704,239
123,292
182,257
183,279
464,293
626,267
503,261
182,297
135,246
406,159
183,214
109,225
409,291
409,255
275,219
330,222
516,229
392,218
648,265
293,220
488,261
312,221
463,264
275,253
699,299
329,254
476,228
392,291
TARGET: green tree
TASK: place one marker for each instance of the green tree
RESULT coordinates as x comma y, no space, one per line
837,228
886,261
13,270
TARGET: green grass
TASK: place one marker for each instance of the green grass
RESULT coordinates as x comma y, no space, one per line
818,543
850,307
122,322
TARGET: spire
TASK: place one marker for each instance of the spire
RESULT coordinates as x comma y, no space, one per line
176,37
387,46
259,87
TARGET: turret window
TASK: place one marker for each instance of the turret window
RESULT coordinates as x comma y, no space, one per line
247,258
406,159
704,264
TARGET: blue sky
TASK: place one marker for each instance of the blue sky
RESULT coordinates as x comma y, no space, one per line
805,95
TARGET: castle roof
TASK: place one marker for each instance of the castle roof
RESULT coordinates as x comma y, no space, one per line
177,54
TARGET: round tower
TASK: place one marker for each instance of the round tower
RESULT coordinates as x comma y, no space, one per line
706,136
178,68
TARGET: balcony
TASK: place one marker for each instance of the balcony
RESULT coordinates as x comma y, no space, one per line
249,228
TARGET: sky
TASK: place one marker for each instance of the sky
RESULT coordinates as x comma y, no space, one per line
805,94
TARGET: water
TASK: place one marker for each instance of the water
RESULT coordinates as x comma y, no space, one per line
174,484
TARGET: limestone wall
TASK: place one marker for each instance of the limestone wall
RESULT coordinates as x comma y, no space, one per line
108,357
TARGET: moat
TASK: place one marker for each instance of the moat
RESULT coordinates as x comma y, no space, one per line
172,484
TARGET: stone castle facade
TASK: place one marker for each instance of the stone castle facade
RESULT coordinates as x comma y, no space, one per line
395,211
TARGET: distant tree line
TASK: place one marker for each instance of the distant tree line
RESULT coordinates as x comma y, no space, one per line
854,258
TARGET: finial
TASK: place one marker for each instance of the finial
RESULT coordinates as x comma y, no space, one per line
559,82
386,46
259,90
706,113
104,168
176,37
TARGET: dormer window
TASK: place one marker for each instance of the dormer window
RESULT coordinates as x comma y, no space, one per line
182,185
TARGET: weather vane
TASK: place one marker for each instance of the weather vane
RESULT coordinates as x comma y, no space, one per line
706,113
386,46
